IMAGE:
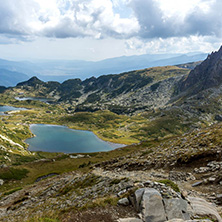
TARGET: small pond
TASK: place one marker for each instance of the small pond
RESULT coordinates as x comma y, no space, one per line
9,108
53,138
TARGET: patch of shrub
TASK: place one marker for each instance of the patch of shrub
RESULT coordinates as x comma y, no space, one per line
13,174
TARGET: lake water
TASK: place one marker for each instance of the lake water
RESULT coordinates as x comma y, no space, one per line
9,108
53,138
34,99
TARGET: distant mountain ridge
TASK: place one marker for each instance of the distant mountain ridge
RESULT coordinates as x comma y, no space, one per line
62,70
11,78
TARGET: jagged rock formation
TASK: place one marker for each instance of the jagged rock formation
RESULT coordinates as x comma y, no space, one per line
206,75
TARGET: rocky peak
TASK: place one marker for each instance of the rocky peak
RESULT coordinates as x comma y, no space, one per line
31,82
206,75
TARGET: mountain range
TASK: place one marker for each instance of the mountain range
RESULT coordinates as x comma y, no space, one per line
168,88
62,70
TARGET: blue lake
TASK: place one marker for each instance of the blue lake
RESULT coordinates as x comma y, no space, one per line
53,138
9,108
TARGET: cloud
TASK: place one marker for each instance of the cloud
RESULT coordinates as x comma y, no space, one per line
203,19
65,18
206,22
173,45
138,21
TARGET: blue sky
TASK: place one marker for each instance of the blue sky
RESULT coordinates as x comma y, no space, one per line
100,29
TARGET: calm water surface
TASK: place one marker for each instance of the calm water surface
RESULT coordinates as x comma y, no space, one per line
9,108
53,138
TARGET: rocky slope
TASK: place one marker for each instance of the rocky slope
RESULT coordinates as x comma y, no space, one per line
123,93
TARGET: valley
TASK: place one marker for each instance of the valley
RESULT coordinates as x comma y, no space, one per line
170,118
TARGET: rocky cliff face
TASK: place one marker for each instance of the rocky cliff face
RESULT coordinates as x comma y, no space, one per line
206,75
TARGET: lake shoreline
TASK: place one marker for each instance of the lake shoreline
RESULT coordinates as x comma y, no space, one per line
108,146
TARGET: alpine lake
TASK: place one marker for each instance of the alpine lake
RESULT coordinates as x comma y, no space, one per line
54,138
4,109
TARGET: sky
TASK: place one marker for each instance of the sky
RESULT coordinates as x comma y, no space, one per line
99,29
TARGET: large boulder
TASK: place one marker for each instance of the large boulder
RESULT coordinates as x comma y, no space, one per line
176,208
153,208
136,198
149,202
202,208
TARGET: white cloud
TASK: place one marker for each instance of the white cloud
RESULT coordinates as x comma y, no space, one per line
100,19
171,18
143,26
65,18
173,45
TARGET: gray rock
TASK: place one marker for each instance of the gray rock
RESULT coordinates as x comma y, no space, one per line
124,202
202,208
121,192
152,206
129,220
211,179
1,182
197,184
3,166
136,199
176,208
219,198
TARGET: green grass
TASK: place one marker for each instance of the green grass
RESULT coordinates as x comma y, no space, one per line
171,184
12,191
13,174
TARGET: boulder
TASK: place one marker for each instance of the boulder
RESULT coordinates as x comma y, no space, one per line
197,184
1,182
136,199
176,208
123,201
152,206
202,208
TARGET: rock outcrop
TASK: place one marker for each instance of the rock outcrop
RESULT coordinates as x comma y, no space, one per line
206,75
153,206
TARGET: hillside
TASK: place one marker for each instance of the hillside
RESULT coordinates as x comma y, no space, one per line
122,93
